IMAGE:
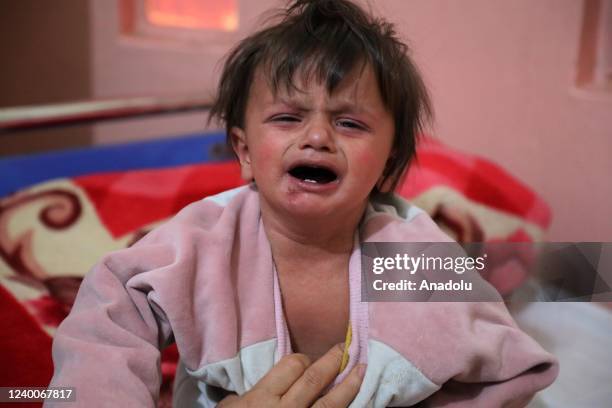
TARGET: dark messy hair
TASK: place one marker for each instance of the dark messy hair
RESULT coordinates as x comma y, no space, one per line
327,39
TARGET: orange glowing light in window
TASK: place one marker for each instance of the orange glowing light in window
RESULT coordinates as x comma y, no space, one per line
195,14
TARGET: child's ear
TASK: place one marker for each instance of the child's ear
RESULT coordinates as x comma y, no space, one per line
241,148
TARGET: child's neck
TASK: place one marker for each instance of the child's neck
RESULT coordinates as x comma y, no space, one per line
310,240
303,249
313,278
312,261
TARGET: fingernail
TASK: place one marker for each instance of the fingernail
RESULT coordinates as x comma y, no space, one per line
361,369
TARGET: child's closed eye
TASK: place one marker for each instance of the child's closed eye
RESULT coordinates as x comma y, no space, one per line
351,124
285,118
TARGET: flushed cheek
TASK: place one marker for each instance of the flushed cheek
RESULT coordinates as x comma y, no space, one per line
370,161
367,169
265,152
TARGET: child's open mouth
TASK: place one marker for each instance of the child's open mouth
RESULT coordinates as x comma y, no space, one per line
313,174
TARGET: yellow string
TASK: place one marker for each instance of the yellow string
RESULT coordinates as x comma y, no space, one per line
347,344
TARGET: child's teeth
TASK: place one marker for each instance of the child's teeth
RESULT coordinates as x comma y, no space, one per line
309,181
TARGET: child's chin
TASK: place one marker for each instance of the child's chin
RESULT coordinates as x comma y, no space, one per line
311,208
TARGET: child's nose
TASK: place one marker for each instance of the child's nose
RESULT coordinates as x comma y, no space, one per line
319,136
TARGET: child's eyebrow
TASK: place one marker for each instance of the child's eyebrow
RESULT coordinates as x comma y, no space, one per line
347,107
333,107
293,103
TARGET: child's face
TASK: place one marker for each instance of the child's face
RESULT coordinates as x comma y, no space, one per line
314,154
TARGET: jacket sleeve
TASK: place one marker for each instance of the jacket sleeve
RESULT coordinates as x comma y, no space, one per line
497,365
108,348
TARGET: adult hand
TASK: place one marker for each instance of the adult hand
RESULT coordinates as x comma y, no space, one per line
295,382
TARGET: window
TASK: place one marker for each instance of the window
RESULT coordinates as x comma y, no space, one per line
187,21
193,14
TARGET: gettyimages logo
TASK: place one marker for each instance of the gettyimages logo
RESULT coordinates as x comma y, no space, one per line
440,271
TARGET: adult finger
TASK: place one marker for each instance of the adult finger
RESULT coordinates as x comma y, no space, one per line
314,379
284,374
228,401
344,393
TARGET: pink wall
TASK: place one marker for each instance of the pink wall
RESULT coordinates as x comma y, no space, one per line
502,75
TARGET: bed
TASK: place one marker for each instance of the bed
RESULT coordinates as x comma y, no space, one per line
61,211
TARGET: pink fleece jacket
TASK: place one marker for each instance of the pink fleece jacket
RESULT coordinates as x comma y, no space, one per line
206,280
